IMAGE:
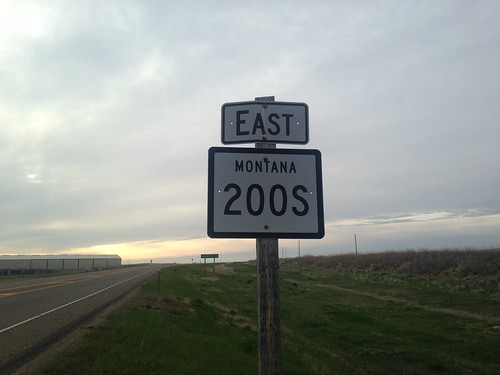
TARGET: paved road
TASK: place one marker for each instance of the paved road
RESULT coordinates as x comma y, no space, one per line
34,310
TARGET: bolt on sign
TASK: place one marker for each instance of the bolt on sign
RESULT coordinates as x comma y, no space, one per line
265,193
264,121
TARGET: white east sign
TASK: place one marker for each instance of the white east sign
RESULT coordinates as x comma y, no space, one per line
264,193
265,121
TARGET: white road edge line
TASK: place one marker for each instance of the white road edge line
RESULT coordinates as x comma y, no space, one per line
67,304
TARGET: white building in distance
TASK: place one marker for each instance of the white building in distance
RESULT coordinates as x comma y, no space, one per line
45,263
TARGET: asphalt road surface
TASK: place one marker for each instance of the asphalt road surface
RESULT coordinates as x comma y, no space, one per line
35,312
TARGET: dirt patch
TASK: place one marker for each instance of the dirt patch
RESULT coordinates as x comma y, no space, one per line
220,269
210,278
223,269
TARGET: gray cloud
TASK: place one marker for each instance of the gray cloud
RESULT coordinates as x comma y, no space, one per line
107,111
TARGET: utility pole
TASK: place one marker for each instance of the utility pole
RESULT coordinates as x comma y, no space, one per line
355,244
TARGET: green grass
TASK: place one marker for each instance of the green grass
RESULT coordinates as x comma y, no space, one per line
333,322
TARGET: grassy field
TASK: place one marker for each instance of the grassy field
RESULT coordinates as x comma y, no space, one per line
417,312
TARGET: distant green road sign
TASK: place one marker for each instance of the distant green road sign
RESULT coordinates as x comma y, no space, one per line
204,256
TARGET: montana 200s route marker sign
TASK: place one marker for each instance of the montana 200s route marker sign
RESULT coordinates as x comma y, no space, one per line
265,193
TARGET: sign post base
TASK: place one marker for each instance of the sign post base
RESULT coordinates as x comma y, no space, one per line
268,306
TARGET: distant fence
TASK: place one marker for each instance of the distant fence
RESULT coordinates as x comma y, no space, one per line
42,265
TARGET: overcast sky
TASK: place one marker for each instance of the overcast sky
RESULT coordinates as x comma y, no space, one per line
108,109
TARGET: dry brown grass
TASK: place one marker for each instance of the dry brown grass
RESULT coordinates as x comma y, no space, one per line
452,262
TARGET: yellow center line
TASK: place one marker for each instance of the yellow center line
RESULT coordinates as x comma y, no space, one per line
46,285
70,303
51,284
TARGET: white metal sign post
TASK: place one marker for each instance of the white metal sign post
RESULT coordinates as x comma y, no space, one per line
265,193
